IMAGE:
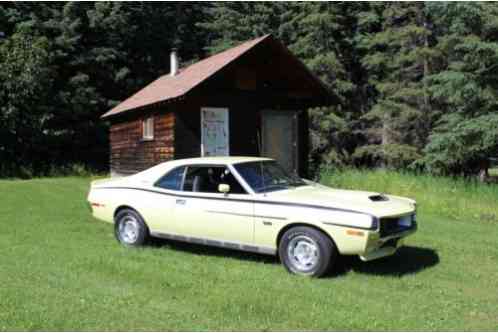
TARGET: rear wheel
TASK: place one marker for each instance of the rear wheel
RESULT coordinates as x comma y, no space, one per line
130,229
306,251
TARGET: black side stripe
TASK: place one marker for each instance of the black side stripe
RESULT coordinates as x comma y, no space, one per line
248,215
292,204
347,225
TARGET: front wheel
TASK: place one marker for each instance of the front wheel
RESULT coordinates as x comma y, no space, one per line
306,251
130,229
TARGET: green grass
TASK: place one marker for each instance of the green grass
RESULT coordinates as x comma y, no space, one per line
62,270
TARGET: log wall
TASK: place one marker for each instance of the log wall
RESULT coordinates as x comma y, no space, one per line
130,153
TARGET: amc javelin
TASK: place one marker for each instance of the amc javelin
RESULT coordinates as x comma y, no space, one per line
253,204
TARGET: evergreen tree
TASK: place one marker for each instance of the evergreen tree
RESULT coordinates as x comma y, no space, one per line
466,87
97,55
24,80
231,23
326,39
398,61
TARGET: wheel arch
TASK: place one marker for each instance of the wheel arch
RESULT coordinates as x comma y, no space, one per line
136,212
302,224
121,207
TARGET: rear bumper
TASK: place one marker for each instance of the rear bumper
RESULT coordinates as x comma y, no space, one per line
386,246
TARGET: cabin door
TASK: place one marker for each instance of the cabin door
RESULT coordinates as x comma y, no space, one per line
214,132
280,138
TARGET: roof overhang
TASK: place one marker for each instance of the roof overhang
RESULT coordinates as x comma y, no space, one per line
169,88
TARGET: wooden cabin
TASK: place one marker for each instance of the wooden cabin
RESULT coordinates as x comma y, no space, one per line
250,100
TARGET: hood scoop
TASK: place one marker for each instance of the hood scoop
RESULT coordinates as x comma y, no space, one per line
378,197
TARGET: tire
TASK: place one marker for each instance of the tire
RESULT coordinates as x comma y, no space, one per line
130,228
306,251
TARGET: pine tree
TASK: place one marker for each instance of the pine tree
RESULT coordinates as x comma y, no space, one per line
466,86
326,40
24,85
398,60
231,23
98,54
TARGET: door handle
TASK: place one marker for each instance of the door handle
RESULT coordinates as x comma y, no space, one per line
181,202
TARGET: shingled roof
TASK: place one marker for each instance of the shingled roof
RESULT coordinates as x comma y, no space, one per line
168,87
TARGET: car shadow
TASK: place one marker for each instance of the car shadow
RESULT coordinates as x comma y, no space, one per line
407,260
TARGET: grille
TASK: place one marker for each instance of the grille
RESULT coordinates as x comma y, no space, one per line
390,243
394,225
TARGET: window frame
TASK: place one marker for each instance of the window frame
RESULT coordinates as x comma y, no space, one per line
148,128
168,173
248,190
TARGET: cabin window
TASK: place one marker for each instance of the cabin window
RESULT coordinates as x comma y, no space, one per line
148,128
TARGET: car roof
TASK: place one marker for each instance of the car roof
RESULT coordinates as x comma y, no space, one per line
159,170
218,160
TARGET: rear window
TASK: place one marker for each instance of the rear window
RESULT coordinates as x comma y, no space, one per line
172,180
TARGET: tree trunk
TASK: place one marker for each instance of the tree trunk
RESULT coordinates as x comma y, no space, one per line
426,106
386,137
483,171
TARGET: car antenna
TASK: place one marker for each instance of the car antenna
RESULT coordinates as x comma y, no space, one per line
260,148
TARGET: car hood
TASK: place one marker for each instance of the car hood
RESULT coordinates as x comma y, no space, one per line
372,203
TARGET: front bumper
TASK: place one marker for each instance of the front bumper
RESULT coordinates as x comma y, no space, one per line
386,246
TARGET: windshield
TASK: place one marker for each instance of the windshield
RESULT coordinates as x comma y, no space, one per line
265,176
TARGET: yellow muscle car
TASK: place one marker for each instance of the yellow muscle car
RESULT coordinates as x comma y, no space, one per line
253,204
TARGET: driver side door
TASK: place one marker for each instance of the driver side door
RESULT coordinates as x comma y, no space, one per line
206,215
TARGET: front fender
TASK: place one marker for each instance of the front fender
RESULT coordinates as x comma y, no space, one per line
272,220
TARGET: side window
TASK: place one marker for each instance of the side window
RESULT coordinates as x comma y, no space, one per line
235,187
172,180
205,179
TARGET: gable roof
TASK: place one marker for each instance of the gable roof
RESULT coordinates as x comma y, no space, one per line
169,87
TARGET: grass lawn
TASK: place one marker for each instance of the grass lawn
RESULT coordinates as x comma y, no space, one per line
62,270
493,172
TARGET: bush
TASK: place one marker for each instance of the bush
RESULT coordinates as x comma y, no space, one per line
29,171
392,156
463,147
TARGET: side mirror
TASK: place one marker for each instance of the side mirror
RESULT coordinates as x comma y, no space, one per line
223,188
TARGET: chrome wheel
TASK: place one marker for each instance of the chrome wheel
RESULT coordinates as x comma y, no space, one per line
129,229
303,253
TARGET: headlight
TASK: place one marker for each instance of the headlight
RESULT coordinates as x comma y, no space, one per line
375,223
406,221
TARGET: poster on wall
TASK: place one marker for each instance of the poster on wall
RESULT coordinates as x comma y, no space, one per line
214,138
